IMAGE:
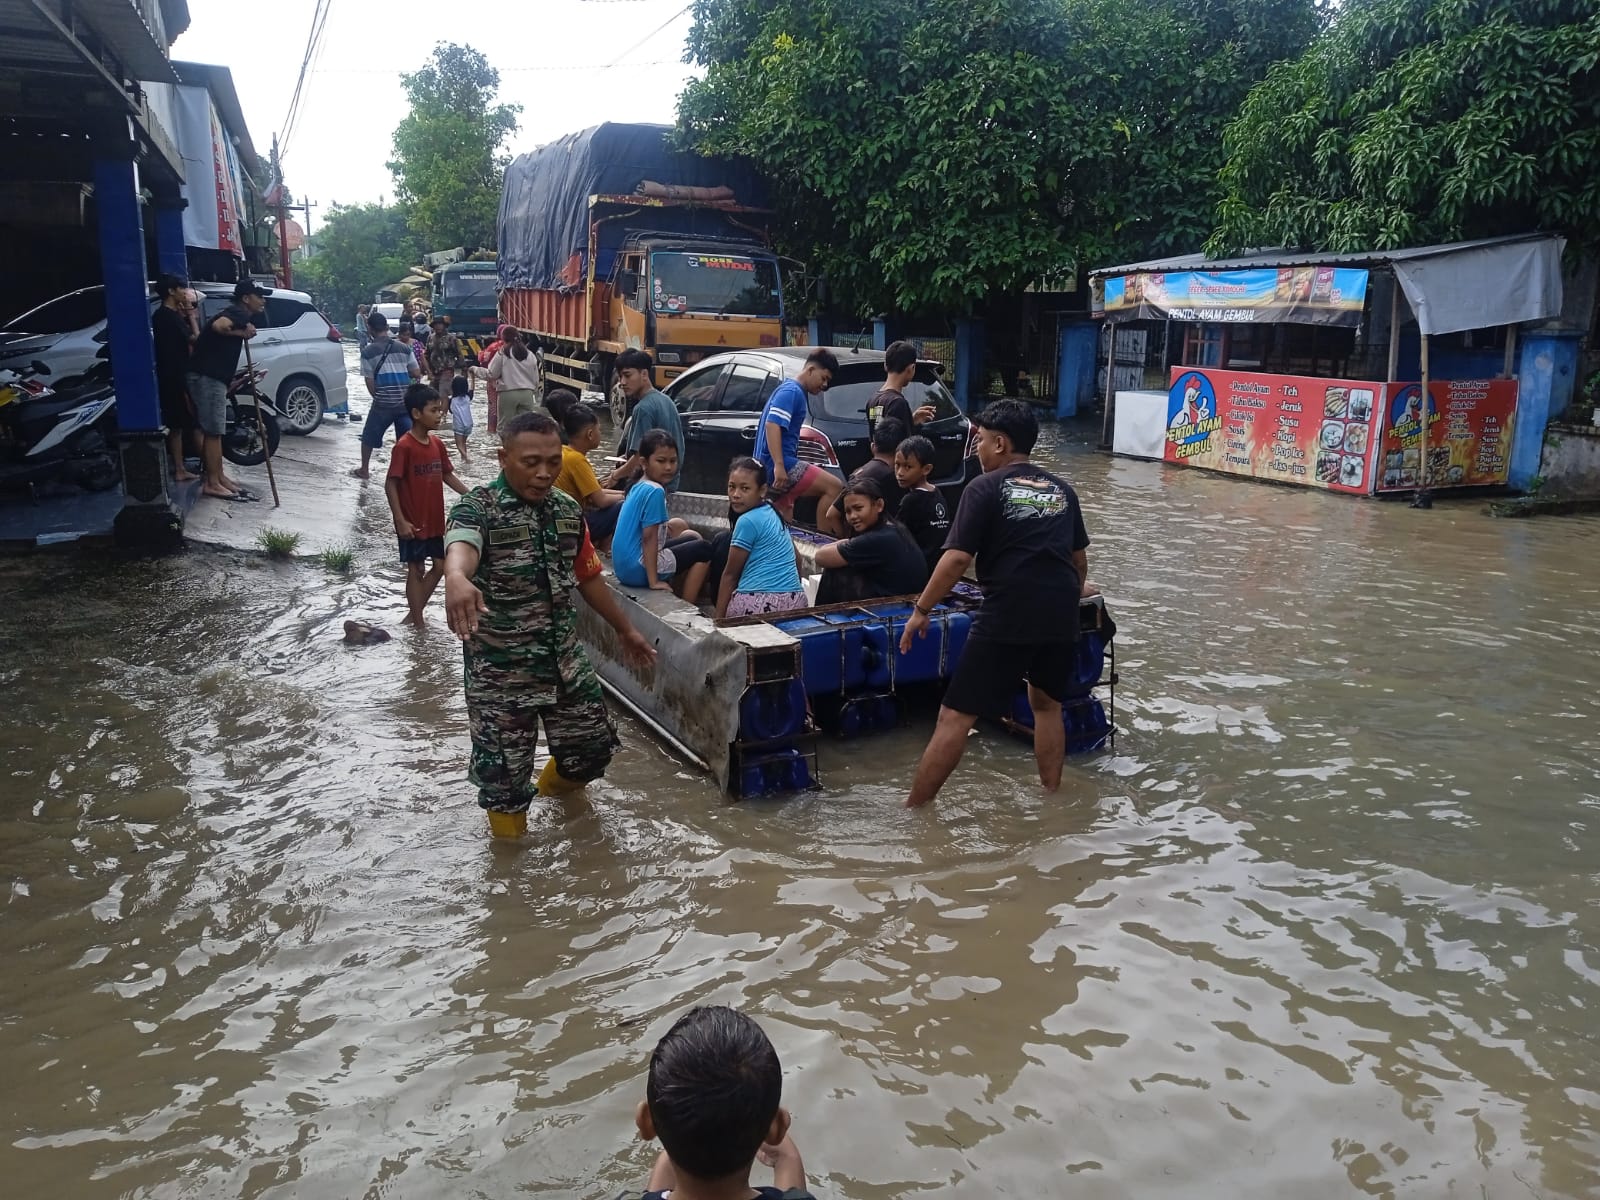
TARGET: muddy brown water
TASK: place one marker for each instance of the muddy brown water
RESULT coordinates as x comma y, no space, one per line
1325,923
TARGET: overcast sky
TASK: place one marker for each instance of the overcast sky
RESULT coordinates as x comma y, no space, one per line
552,56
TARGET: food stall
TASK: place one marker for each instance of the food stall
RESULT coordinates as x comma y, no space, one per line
1297,368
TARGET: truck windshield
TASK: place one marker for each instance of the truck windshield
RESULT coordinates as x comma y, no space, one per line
468,287
728,284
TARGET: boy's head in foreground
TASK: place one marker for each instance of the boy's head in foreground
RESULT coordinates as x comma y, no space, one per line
712,1095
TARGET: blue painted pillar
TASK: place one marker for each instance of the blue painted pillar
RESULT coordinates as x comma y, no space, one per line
122,261
1075,365
820,331
880,334
969,388
1547,373
172,255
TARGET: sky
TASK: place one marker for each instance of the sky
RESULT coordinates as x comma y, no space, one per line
554,58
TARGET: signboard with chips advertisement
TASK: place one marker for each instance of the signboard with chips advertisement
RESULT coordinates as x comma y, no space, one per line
1470,423
1292,429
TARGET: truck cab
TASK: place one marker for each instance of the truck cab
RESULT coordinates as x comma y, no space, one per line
683,301
468,293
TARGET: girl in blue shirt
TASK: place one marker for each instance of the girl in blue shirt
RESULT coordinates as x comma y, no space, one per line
763,572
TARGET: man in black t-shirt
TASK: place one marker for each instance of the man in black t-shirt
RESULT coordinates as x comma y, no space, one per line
212,367
878,559
1024,527
175,328
900,367
886,435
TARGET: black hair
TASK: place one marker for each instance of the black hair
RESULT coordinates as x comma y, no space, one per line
824,358
898,357
746,463
407,325
1014,420
888,434
578,418
460,386
527,422
656,439
419,396
917,447
561,401
713,1091
863,485
377,322
168,284
635,360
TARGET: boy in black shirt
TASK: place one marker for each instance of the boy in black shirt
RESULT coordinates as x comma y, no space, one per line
886,435
1026,531
923,512
712,1098
878,559
899,368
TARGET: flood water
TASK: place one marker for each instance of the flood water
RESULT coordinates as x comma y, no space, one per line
1325,924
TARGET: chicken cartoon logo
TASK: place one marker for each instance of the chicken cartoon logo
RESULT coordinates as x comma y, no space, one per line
1191,413
1405,412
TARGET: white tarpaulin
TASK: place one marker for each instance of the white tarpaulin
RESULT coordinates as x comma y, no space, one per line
1479,285
212,184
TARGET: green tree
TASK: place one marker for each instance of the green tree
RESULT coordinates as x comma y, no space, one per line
359,249
448,163
1411,122
925,153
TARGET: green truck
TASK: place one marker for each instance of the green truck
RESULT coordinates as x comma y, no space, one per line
468,293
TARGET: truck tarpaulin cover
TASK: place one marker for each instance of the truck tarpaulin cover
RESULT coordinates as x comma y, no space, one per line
544,209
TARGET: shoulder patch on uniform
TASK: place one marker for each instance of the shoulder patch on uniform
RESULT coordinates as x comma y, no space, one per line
507,535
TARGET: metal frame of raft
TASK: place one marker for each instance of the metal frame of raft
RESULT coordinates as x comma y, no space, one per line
748,699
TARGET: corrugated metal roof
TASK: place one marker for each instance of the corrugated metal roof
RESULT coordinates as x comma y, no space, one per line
1286,258
126,34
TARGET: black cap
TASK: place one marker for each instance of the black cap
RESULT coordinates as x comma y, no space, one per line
249,287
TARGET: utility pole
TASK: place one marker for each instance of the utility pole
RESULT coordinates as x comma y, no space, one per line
277,200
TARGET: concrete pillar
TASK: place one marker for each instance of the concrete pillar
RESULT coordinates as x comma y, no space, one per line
149,518
1547,373
880,333
969,389
1079,343
820,331
171,253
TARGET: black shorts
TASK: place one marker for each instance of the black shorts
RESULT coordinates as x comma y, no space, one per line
986,679
176,413
416,550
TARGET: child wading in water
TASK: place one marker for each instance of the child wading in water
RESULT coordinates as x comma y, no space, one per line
712,1098
763,573
418,470
461,413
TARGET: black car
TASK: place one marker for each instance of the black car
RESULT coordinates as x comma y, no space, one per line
720,403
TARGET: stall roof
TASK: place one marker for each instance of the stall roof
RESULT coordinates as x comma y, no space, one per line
1455,286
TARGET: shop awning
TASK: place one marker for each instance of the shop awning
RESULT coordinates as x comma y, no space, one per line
1460,285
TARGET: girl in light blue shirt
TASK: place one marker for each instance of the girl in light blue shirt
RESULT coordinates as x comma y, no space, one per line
763,571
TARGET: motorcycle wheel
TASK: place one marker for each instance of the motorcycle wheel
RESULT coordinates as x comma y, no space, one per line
242,444
100,474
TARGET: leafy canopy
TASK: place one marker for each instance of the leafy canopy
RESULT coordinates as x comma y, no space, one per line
358,249
1411,122
927,152
448,163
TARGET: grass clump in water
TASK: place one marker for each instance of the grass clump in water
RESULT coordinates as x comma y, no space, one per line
338,559
278,543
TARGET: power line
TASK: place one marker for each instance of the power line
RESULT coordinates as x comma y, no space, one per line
660,62
319,23
681,12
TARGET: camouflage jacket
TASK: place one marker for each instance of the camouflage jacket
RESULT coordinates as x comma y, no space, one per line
532,558
444,352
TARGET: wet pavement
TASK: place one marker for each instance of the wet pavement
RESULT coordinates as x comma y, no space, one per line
1326,923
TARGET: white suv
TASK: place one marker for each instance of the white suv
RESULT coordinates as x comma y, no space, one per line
300,351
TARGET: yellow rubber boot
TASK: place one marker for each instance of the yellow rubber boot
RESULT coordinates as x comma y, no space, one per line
553,783
507,825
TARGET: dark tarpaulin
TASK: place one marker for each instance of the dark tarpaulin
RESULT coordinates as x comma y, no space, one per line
544,207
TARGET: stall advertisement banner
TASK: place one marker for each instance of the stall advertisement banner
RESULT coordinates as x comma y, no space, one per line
1314,432
1278,295
1470,422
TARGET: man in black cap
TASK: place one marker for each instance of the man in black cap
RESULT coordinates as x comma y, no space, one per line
211,369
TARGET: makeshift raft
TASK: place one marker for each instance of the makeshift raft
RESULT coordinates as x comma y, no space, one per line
748,700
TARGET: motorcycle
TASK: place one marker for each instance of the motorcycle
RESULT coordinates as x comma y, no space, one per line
242,438
50,436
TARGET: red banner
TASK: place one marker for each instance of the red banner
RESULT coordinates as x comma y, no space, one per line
1470,422
1314,432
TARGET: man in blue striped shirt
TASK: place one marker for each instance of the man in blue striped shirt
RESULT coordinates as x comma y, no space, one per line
387,368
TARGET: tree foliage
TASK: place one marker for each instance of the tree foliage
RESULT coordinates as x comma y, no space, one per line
448,163
927,152
359,249
1411,122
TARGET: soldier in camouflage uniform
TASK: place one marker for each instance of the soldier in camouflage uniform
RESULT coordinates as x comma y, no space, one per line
443,353
516,551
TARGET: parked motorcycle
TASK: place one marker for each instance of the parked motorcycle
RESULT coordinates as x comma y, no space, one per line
49,436
242,439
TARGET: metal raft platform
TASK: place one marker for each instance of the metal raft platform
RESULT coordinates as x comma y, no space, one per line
748,699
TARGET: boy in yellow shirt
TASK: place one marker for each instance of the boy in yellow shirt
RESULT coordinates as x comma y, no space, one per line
578,480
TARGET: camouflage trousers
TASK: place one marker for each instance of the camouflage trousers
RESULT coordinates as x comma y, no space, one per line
505,737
